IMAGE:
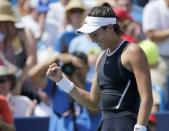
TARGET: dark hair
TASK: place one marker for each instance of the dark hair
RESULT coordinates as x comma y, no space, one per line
105,10
81,56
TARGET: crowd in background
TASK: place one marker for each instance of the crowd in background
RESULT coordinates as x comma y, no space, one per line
36,33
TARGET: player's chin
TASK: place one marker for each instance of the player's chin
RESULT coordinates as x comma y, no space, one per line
102,46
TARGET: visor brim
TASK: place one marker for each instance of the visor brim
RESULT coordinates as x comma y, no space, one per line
87,29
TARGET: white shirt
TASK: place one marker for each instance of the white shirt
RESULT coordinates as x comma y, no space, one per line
50,33
57,13
156,17
20,105
31,24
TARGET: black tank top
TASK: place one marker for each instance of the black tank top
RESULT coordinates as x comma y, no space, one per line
117,84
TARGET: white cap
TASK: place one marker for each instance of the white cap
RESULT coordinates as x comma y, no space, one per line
94,23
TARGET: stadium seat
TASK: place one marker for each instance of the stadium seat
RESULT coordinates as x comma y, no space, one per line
31,123
162,121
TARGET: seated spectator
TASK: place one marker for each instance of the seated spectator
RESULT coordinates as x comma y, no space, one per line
36,17
141,3
127,23
8,82
152,122
157,30
136,13
56,13
6,119
74,12
83,43
134,10
20,105
20,8
17,46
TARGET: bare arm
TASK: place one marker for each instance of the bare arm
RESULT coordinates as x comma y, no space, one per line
38,72
30,45
92,99
158,35
140,68
89,100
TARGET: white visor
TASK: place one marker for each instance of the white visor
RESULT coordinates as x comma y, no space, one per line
93,23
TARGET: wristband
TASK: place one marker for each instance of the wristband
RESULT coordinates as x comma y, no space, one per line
66,85
139,128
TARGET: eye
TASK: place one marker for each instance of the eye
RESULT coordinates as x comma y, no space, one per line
93,34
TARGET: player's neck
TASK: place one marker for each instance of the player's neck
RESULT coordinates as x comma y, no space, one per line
115,44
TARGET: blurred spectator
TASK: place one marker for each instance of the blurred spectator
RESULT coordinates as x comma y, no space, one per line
36,17
46,44
83,43
141,3
17,47
8,80
74,12
152,122
6,119
21,8
38,78
36,20
135,13
125,4
44,30
91,3
56,13
158,67
51,1
20,105
134,10
127,24
156,26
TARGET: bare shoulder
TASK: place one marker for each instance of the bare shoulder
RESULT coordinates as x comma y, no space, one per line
133,56
134,48
136,57
134,51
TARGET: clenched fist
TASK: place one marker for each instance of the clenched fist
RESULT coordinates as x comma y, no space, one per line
54,72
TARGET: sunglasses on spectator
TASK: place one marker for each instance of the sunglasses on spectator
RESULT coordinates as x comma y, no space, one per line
76,11
3,80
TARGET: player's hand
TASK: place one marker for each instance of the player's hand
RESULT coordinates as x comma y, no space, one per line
54,72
